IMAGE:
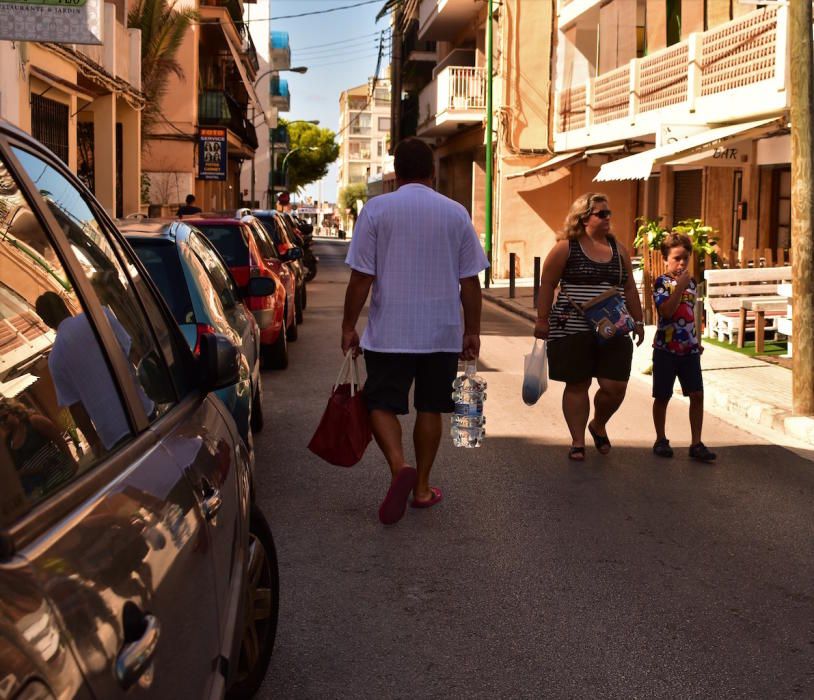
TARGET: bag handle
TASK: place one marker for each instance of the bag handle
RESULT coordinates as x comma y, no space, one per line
614,249
350,370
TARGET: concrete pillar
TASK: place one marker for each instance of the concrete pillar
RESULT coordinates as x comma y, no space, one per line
104,151
131,158
73,152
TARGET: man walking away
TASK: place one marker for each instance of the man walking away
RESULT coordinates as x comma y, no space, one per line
189,208
420,254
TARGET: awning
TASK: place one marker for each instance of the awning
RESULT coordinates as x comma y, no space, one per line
640,165
558,161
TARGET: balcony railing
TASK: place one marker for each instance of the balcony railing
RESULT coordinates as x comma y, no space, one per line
457,96
733,71
279,137
278,91
280,50
218,108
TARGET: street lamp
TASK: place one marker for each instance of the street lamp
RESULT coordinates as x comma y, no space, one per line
315,122
287,156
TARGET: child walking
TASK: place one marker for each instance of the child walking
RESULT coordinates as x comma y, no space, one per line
676,350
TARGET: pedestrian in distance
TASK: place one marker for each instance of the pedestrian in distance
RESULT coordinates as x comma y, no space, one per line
676,349
419,254
189,207
585,262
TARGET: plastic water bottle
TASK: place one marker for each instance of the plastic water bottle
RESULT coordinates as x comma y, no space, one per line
468,393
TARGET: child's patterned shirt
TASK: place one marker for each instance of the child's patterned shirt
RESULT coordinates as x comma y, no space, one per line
677,333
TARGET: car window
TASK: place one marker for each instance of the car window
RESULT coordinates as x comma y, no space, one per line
94,252
273,231
218,274
230,242
264,244
60,409
210,298
160,257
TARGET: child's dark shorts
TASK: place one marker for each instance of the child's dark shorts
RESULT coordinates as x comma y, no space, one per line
390,376
667,366
578,357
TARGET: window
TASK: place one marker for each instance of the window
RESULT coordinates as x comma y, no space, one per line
113,285
379,148
384,123
218,275
49,124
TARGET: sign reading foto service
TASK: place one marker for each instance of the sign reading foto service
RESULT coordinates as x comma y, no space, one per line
211,153
60,21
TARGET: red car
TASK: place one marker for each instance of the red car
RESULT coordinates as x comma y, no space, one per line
246,257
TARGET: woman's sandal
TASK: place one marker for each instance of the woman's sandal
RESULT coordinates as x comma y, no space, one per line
603,445
577,453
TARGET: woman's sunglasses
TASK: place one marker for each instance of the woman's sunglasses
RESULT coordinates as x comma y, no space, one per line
601,214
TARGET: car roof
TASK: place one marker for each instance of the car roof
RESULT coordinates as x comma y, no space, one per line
169,229
212,219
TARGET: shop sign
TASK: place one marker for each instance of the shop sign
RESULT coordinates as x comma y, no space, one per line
59,21
212,151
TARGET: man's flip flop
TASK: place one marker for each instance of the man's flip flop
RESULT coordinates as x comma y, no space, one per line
436,497
601,441
395,502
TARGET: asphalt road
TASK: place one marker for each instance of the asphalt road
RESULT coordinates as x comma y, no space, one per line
626,576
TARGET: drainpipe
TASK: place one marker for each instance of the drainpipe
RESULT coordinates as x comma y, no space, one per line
488,203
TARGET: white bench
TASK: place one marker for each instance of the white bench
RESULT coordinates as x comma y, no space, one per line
728,288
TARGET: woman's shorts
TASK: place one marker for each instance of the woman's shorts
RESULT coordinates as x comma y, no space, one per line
579,357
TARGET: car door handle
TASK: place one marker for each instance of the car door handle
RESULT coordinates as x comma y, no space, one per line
134,662
211,503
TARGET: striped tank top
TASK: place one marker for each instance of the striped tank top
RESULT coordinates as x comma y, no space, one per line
583,279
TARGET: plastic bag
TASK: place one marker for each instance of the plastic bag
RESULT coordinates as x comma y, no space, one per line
535,376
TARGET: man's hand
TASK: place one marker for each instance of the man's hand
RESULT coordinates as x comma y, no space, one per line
542,328
638,333
471,347
350,340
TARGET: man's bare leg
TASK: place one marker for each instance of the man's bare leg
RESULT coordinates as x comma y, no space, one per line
387,431
426,438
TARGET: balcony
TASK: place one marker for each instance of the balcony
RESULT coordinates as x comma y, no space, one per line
444,19
280,51
733,72
279,137
218,108
583,11
455,99
278,91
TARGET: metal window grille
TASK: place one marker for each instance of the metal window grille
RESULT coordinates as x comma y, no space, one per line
49,124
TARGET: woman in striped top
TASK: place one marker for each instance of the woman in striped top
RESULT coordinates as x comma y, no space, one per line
587,261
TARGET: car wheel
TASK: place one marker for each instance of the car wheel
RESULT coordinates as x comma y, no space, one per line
257,409
304,296
292,332
261,604
275,356
298,307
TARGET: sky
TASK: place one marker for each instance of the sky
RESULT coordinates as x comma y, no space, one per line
340,50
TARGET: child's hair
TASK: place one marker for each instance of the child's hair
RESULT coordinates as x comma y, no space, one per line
675,240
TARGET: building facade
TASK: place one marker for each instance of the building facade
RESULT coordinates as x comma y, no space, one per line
84,103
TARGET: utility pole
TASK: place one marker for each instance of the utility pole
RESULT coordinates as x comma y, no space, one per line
802,207
488,203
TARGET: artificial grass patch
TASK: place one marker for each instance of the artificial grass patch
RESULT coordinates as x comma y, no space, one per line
770,347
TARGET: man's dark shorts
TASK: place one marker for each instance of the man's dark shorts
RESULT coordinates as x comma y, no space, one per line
667,366
390,375
579,357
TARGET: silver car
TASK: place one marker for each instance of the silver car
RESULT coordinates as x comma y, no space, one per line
132,555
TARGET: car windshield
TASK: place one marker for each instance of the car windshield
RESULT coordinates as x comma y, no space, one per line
162,263
229,242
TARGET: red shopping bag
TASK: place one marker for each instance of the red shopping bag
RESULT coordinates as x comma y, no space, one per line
344,431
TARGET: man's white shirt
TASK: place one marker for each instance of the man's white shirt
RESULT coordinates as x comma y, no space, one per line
418,244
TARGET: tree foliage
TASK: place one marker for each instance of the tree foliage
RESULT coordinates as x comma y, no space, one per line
316,150
350,195
162,33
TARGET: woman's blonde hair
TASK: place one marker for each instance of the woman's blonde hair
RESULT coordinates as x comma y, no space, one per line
583,205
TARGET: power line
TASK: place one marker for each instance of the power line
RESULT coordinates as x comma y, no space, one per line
333,43
348,60
318,57
367,43
323,12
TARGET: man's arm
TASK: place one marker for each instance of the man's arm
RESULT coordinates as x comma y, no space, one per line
471,301
355,298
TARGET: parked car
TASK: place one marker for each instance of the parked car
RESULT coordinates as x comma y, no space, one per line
289,255
135,560
304,240
203,298
241,249
283,240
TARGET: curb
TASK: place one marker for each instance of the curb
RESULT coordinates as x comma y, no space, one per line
734,407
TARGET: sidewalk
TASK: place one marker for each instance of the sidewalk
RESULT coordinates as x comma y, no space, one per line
743,391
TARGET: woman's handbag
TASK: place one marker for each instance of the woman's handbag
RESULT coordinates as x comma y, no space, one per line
535,376
343,434
606,313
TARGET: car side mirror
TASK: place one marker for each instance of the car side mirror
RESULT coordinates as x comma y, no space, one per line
218,362
261,287
292,254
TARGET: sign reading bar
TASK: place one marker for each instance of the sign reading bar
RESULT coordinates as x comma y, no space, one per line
211,153
59,21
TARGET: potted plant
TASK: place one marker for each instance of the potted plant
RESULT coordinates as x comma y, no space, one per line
650,233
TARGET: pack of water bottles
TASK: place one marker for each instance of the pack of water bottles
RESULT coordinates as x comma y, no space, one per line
468,393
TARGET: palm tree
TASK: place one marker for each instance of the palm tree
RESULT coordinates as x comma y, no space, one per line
162,31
